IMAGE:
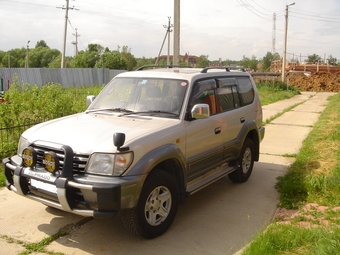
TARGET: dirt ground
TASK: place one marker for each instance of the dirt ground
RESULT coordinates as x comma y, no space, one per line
318,82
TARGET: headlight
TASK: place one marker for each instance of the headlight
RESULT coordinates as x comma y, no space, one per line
109,164
23,143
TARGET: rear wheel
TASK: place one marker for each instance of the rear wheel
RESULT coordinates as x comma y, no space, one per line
156,207
245,163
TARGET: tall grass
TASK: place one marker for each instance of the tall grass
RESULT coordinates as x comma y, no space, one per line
28,104
313,178
273,91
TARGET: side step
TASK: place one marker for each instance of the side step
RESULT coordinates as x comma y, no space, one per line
208,178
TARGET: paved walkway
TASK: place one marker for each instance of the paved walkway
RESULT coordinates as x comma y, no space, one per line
219,220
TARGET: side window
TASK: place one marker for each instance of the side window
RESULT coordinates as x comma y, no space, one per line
227,94
246,90
204,93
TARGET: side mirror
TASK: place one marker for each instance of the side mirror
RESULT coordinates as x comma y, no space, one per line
119,140
89,100
200,111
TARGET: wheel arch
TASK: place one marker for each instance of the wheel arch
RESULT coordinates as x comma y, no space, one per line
168,158
250,130
253,135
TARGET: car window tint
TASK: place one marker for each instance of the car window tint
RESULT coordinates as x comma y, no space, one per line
204,93
246,90
227,94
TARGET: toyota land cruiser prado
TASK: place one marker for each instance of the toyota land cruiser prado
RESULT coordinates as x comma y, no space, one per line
151,138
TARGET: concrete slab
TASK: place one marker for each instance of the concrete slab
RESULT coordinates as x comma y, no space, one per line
278,161
309,108
296,118
280,139
29,221
218,220
10,247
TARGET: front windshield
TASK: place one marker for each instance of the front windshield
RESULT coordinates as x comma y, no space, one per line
142,95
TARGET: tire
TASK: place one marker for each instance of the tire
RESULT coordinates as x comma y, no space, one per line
245,163
156,208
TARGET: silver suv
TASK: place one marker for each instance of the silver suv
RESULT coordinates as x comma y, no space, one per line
151,138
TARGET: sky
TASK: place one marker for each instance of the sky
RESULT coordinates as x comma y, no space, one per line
219,29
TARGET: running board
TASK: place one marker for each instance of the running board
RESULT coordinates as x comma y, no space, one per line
208,178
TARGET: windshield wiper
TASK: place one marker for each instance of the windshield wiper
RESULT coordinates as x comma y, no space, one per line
151,111
109,109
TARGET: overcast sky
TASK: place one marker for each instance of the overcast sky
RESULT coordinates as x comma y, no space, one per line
226,29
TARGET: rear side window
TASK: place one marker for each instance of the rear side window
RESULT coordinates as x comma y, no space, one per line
227,94
246,90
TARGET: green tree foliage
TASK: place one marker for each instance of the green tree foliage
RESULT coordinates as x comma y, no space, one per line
331,60
145,62
40,56
112,60
313,58
130,60
249,63
2,56
202,61
267,60
41,44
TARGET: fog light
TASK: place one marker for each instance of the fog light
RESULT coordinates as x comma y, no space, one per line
29,157
51,162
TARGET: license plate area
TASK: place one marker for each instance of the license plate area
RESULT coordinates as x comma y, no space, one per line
41,181
43,186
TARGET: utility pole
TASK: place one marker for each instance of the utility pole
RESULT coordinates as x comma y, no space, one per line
65,31
76,42
285,45
167,34
177,7
27,58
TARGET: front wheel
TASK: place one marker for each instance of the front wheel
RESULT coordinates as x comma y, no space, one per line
156,207
245,163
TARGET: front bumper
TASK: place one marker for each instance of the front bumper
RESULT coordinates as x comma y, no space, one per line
106,198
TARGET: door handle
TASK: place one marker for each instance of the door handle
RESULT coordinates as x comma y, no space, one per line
217,130
242,120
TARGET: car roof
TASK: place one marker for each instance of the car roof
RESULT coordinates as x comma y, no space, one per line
186,73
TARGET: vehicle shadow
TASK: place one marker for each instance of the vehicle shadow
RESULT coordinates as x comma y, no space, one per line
219,219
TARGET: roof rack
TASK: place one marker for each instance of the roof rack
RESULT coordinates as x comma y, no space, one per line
205,70
162,66
226,68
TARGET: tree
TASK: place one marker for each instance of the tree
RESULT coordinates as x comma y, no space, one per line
144,62
249,63
17,58
332,61
89,58
3,58
42,44
42,56
313,58
112,60
130,60
202,61
267,61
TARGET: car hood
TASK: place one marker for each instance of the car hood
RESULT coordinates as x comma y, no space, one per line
87,133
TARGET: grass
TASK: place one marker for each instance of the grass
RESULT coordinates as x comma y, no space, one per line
273,91
312,179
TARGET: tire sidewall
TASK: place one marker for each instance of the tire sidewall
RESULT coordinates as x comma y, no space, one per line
157,179
248,144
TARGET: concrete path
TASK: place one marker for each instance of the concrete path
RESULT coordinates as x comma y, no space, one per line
220,219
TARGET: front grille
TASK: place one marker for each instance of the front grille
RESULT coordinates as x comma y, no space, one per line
79,160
